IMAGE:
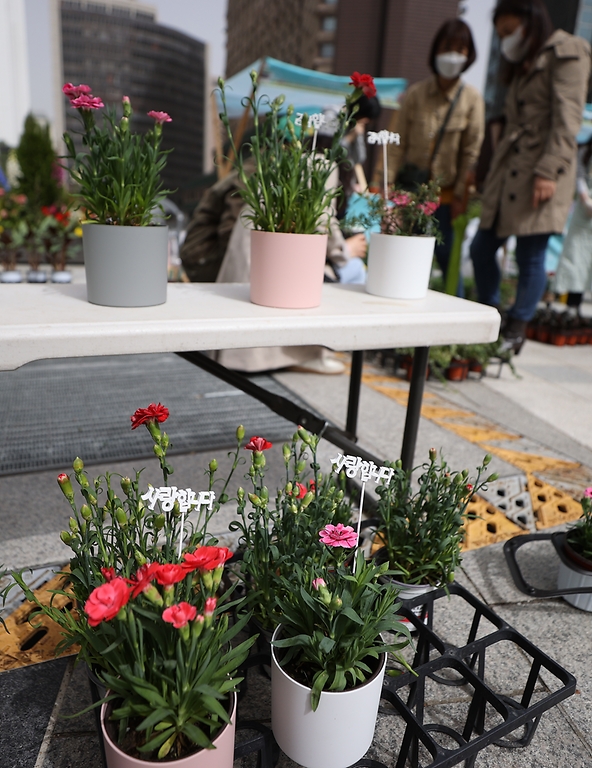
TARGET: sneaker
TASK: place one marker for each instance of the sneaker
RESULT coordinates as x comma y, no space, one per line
327,365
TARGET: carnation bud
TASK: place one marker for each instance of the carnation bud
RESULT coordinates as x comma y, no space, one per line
265,493
82,480
158,451
124,124
325,596
289,487
121,517
126,485
240,433
336,603
465,473
255,500
165,440
287,452
139,558
208,581
197,625
487,459
177,509
213,465
73,525
303,435
433,454
301,466
159,522
223,498
457,480
294,509
152,594
85,511
398,464
91,498
127,106
66,486
78,464
307,499
217,574
258,459
493,477
66,537
240,494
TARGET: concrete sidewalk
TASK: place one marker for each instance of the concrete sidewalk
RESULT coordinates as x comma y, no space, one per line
547,414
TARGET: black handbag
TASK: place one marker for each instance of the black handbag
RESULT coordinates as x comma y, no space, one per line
411,176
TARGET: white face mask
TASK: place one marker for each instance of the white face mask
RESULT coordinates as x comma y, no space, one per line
450,65
514,46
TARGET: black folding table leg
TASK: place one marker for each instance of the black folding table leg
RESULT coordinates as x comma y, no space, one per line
353,403
418,377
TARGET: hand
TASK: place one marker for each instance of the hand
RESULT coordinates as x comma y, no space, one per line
457,207
357,246
543,190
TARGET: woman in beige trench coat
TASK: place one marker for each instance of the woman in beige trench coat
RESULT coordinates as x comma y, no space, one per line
529,188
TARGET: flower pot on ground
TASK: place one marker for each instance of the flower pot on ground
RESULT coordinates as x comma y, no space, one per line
457,370
222,756
575,567
127,268
289,194
328,655
274,255
422,530
339,733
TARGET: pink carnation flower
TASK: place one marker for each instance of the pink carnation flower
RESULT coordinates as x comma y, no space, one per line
588,493
160,117
318,583
74,91
400,198
339,536
429,208
210,606
87,102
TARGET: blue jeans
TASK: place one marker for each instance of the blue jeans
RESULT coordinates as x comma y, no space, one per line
443,249
532,278
353,272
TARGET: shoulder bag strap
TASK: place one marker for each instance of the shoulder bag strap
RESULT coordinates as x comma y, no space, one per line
444,124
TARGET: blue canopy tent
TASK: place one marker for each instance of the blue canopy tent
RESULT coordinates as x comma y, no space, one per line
306,89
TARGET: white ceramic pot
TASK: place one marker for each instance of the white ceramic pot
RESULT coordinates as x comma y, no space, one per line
399,267
36,276
221,757
287,271
570,577
125,266
61,276
11,276
341,730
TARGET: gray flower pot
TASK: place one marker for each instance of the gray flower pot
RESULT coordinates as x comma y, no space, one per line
125,266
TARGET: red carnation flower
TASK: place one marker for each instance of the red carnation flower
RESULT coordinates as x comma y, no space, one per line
178,615
108,573
299,491
169,574
365,83
143,578
258,444
105,602
154,412
206,558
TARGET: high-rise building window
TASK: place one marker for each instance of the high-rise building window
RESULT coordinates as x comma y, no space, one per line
327,50
329,24
584,23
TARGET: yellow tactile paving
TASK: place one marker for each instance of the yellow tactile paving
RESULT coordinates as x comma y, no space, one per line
39,637
492,525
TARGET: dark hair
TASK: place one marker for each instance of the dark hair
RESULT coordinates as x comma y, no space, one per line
538,25
368,106
453,31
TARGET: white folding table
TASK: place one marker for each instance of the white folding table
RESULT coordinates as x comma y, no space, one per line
52,321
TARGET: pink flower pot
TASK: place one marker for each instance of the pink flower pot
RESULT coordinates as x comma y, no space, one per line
221,757
287,270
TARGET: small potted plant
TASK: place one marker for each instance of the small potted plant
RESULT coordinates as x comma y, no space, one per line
575,567
57,233
119,185
276,534
289,196
419,532
329,655
400,255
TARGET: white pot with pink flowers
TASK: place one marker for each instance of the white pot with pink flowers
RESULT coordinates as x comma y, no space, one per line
400,255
